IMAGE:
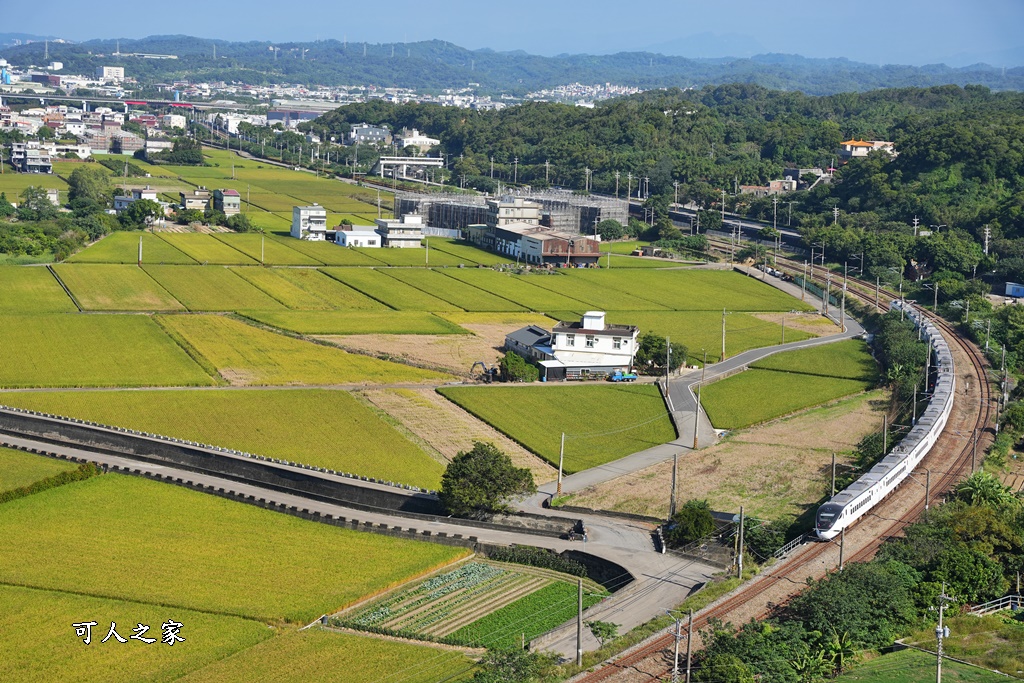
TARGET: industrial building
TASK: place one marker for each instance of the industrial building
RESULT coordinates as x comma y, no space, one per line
559,210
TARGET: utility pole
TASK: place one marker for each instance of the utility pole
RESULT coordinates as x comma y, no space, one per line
675,649
675,191
916,222
974,450
617,184
689,635
668,360
941,632
842,546
140,251
672,498
885,435
833,474
723,334
739,555
803,283
561,456
696,410
876,292
579,623
723,208
988,233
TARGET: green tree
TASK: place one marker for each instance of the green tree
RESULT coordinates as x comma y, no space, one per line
6,208
691,523
983,488
604,631
610,229
45,133
723,668
651,354
240,223
513,666
89,183
481,480
35,205
515,368
140,213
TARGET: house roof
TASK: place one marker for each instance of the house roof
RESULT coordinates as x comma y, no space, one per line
857,143
608,331
528,336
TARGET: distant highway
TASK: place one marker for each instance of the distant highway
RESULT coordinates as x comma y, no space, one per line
119,102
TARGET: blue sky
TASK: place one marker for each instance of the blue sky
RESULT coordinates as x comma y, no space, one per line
917,32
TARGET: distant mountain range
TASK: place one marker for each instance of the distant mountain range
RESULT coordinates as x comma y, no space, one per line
435,65
9,39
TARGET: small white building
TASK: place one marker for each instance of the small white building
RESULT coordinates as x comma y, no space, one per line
309,222
173,121
357,236
404,233
110,73
413,138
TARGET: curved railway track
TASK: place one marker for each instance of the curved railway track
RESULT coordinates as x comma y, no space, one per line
651,660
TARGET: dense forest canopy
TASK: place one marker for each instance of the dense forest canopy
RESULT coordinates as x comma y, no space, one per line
435,64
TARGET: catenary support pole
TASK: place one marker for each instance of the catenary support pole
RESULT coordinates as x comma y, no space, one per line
689,636
579,623
561,458
739,553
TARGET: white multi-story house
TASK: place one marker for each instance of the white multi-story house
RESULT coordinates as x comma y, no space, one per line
122,202
407,232
309,222
576,350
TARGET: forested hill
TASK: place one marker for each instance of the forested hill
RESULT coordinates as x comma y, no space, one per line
437,64
960,161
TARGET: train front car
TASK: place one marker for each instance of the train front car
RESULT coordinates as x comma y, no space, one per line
826,524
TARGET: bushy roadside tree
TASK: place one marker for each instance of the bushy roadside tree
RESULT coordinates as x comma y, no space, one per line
692,522
481,480
515,368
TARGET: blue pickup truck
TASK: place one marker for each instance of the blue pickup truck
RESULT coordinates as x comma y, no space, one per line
620,376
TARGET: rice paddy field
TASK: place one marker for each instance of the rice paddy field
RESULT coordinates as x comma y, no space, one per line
246,355
328,253
317,655
695,290
517,289
601,422
465,251
18,468
123,247
207,249
109,287
593,293
464,296
297,425
793,380
389,291
68,350
335,294
185,549
270,252
357,322
211,288
283,290
32,290
40,644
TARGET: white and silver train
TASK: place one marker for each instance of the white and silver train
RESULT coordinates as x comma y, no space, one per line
853,502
